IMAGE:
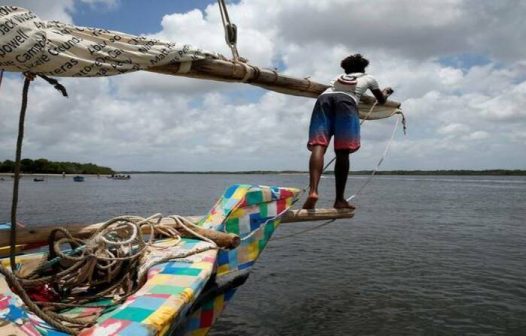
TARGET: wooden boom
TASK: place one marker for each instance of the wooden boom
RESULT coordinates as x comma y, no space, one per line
228,71
28,238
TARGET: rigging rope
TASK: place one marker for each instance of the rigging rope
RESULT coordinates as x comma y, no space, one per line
379,163
373,173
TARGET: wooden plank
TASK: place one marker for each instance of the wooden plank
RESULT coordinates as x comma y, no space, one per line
29,237
295,216
228,71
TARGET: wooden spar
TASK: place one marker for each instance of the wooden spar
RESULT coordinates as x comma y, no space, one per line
228,71
30,237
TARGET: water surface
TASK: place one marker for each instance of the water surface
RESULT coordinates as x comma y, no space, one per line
423,256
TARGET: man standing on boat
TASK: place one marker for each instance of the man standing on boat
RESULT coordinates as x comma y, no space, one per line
336,113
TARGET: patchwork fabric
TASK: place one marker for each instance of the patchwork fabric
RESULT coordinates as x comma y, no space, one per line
172,287
14,319
170,290
200,321
254,218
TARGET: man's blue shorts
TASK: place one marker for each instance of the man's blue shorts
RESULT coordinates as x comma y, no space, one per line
335,114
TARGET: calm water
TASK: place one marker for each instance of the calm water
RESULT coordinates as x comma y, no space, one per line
423,255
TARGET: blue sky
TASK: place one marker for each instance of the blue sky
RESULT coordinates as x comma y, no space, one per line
460,75
132,16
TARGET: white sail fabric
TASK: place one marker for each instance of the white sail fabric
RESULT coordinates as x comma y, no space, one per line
28,43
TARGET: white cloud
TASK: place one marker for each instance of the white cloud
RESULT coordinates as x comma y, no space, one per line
468,116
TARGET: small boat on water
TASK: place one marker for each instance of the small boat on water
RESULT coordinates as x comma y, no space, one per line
120,177
38,179
78,178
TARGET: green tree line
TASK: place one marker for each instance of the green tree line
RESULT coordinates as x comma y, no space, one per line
44,166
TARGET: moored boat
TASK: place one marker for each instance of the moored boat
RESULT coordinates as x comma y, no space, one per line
120,177
181,296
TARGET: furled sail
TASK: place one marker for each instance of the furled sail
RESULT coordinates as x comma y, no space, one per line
58,49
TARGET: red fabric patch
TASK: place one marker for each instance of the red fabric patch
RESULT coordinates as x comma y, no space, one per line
207,318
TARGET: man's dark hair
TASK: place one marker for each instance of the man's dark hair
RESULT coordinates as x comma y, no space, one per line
354,63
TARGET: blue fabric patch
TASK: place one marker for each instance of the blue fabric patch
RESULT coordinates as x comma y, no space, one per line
246,265
222,257
147,302
135,328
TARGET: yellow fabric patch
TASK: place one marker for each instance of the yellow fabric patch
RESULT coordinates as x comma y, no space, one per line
203,265
239,193
161,317
187,294
222,269
159,279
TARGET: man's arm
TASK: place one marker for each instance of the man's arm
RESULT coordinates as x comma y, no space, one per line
381,96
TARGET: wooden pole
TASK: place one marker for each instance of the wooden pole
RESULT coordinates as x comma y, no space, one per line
228,71
31,237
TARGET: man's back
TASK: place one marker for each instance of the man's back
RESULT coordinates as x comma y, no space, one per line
353,84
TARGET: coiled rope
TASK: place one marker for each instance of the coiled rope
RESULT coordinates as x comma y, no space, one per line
108,265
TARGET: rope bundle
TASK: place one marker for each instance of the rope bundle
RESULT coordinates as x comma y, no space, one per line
105,266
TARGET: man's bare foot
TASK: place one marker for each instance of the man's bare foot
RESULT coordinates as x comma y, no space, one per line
343,204
310,203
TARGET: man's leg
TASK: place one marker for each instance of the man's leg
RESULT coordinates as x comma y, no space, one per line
315,170
341,172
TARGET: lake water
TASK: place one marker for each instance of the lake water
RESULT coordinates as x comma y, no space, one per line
423,256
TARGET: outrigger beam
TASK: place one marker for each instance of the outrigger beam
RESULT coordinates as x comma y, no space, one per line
33,237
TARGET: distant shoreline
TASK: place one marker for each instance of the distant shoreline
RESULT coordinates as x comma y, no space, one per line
488,172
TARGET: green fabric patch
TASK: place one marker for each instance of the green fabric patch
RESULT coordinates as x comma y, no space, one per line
132,314
263,210
165,289
254,197
232,225
182,271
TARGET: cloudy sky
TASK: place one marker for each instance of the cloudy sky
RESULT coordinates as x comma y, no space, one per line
457,66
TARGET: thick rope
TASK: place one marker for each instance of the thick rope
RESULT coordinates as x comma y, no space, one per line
107,264
15,284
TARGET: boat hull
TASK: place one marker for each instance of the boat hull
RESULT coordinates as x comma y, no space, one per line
184,297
